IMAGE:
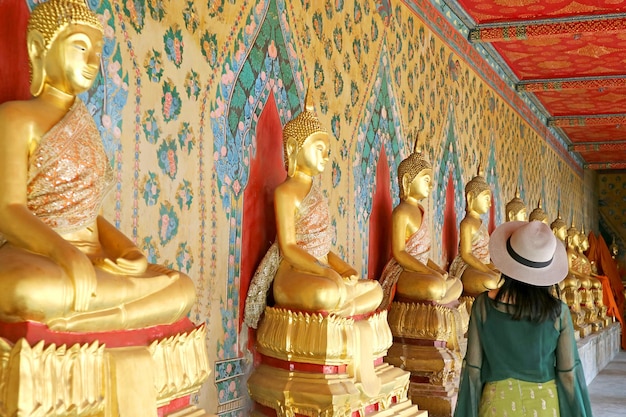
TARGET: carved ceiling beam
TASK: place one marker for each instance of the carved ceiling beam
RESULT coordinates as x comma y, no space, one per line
595,120
540,29
605,165
598,146
572,84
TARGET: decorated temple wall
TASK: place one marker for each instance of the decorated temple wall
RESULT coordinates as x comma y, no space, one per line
186,86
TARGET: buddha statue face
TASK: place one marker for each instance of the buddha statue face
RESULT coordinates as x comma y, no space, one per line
573,238
560,232
415,177
422,185
64,41
313,154
518,216
480,203
516,209
72,62
583,242
477,194
303,128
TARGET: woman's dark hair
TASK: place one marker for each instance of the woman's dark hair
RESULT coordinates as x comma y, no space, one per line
530,302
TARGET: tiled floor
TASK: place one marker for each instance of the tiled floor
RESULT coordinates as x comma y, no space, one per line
607,391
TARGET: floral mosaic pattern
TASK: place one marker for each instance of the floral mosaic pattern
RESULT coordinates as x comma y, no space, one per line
173,40
168,158
168,223
171,103
154,66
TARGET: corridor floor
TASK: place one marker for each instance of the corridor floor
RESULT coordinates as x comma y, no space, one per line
607,391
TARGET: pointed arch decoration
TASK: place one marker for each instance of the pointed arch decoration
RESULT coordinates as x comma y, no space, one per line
449,207
491,176
380,125
521,188
268,65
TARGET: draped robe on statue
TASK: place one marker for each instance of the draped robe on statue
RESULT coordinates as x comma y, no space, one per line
418,246
612,287
480,249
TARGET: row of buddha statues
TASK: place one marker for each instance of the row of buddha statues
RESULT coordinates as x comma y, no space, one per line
303,277
581,290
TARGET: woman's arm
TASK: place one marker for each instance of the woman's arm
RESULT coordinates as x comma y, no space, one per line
570,379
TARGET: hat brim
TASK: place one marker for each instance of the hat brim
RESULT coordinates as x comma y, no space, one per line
542,277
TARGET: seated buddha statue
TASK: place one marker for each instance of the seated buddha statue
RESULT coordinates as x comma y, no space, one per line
576,284
515,209
587,268
473,264
61,263
305,273
538,214
415,276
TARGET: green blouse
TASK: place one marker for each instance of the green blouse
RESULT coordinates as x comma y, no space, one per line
499,347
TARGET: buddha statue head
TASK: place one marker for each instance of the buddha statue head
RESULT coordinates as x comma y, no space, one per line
573,236
414,176
478,194
538,214
298,132
515,209
61,32
559,227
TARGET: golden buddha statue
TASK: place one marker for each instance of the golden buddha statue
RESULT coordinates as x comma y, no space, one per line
538,213
410,271
473,264
306,274
575,284
515,209
61,263
587,268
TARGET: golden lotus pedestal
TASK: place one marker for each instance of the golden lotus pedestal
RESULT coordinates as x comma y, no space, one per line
429,341
131,373
324,365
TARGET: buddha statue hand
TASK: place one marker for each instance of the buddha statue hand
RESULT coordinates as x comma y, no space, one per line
80,270
341,282
131,262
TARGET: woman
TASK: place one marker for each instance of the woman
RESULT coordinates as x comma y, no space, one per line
521,356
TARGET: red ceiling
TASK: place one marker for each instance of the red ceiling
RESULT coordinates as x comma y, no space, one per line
490,11
569,57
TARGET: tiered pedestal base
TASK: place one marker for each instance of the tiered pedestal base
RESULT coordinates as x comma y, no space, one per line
429,342
324,365
146,372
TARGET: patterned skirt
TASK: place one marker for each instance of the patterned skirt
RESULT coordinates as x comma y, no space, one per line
515,398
